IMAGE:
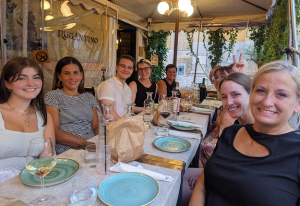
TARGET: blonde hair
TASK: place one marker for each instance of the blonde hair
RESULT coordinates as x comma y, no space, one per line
277,66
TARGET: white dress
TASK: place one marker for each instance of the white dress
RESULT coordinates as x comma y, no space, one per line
13,148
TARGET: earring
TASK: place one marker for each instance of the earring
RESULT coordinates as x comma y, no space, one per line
82,81
59,84
9,90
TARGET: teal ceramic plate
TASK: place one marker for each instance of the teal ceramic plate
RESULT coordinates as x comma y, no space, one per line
182,127
205,106
128,189
63,170
211,98
172,144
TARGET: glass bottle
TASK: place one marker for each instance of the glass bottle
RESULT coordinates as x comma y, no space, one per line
175,104
130,110
104,120
103,77
148,111
202,90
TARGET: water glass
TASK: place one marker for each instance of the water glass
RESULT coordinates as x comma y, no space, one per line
103,159
84,191
162,130
90,155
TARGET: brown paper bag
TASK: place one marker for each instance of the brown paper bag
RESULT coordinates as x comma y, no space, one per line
126,138
157,118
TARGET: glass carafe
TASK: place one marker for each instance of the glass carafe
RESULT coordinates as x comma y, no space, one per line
130,110
104,120
148,111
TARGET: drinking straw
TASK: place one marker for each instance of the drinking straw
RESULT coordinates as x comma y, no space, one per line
105,149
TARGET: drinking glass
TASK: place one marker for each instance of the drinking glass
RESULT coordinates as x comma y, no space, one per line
187,103
40,160
165,110
84,191
90,155
161,97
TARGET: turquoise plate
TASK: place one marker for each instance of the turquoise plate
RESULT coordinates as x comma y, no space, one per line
211,98
182,127
205,106
63,170
128,189
172,144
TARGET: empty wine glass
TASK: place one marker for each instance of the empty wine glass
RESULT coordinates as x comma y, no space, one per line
40,160
161,97
187,102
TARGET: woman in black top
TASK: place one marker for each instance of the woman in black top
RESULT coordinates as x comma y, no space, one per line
258,164
142,85
165,86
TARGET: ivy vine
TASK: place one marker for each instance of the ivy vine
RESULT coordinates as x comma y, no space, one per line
277,31
217,44
157,44
258,37
190,39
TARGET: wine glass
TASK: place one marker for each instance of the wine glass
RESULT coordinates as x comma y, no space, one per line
40,160
161,97
165,110
187,103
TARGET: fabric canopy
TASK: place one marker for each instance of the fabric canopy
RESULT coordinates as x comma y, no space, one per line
213,13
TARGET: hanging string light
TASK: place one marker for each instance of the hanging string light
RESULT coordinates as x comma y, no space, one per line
184,6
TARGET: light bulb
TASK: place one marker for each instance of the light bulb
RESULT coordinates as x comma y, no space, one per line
190,10
46,5
162,7
183,4
48,17
65,9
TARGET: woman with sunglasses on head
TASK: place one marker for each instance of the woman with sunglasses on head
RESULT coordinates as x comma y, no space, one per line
73,111
258,164
142,85
23,114
165,86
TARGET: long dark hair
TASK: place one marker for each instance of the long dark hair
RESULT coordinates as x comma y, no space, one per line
60,64
11,72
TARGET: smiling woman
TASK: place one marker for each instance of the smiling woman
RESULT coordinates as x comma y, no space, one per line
23,114
165,86
142,85
73,111
259,163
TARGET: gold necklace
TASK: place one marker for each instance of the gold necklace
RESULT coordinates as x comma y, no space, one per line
21,113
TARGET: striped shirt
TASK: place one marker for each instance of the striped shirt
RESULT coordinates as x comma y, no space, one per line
75,114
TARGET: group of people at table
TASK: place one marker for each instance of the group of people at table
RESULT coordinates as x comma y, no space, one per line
250,156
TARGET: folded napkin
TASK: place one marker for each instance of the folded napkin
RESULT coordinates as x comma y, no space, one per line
184,124
122,167
184,134
214,103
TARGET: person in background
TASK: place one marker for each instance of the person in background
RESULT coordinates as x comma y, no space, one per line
165,86
142,85
115,91
73,111
258,164
211,78
23,114
235,93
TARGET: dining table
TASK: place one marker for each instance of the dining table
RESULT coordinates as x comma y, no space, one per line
167,163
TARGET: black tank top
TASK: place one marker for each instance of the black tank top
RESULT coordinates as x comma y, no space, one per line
170,87
141,94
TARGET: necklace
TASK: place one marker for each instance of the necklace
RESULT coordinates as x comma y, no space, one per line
25,112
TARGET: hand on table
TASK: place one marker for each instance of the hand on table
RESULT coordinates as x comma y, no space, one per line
82,145
239,66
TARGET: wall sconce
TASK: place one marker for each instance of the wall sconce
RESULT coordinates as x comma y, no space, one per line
184,6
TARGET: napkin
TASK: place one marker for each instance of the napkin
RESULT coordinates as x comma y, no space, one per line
201,110
8,201
184,134
214,103
184,124
122,167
